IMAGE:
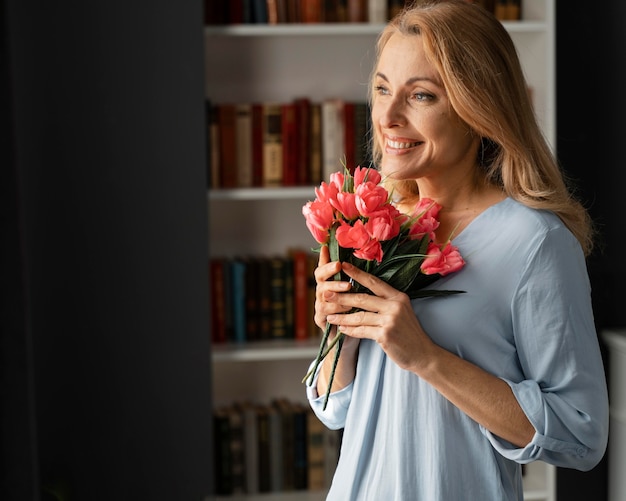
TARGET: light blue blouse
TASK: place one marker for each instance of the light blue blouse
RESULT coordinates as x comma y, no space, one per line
526,317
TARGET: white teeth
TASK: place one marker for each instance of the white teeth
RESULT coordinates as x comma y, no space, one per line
398,145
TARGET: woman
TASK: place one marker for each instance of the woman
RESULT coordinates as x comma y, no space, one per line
444,398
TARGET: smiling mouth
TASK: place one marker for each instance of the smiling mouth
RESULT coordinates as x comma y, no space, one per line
401,145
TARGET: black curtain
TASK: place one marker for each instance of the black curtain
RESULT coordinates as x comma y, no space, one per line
591,105
105,353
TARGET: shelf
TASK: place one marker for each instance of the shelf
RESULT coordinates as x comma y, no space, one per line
276,496
283,193
343,29
257,351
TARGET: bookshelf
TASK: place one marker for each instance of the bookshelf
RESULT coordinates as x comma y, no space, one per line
279,63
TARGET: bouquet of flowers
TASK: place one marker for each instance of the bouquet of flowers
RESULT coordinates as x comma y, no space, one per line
355,217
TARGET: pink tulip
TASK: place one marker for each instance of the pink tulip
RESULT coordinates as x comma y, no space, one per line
442,261
352,237
370,198
326,192
370,251
345,203
337,178
363,174
382,226
319,217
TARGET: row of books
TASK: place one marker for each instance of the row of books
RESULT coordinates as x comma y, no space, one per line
327,11
256,298
293,143
277,447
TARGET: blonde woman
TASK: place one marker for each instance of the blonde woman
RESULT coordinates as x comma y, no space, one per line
445,398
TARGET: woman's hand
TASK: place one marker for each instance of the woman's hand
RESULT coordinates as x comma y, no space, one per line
386,316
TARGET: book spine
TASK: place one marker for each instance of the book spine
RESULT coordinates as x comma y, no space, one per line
217,300
290,157
257,144
303,131
272,145
332,137
377,11
228,146
264,450
300,295
238,299
315,146
237,451
278,297
243,131
222,454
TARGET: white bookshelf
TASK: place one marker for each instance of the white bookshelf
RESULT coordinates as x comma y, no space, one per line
280,63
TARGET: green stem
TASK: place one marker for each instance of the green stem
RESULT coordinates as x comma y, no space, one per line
340,338
321,355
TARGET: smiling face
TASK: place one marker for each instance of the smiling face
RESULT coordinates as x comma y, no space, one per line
420,135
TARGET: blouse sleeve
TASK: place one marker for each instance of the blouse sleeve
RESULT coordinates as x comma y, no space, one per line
334,416
564,393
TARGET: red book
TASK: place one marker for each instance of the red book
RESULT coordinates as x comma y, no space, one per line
217,305
257,144
312,11
228,145
290,143
303,117
300,294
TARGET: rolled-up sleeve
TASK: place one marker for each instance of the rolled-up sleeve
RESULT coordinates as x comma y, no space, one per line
334,416
564,393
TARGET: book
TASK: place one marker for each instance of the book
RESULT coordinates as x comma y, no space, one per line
377,11
272,145
315,452
237,269
265,298
315,144
290,142
289,296
262,420
213,139
257,144
252,299
222,453
300,468
259,11
217,300
275,449
312,261
332,137
251,446
278,268
303,119
285,411
243,143
312,11
237,450
228,146
301,309
357,11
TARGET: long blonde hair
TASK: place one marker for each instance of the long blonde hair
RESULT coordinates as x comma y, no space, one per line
480,70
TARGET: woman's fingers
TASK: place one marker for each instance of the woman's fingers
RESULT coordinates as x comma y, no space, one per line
377,286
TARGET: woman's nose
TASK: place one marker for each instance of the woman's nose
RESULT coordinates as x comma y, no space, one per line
393,113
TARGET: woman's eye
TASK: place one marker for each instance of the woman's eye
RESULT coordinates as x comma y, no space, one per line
380,89
422,96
